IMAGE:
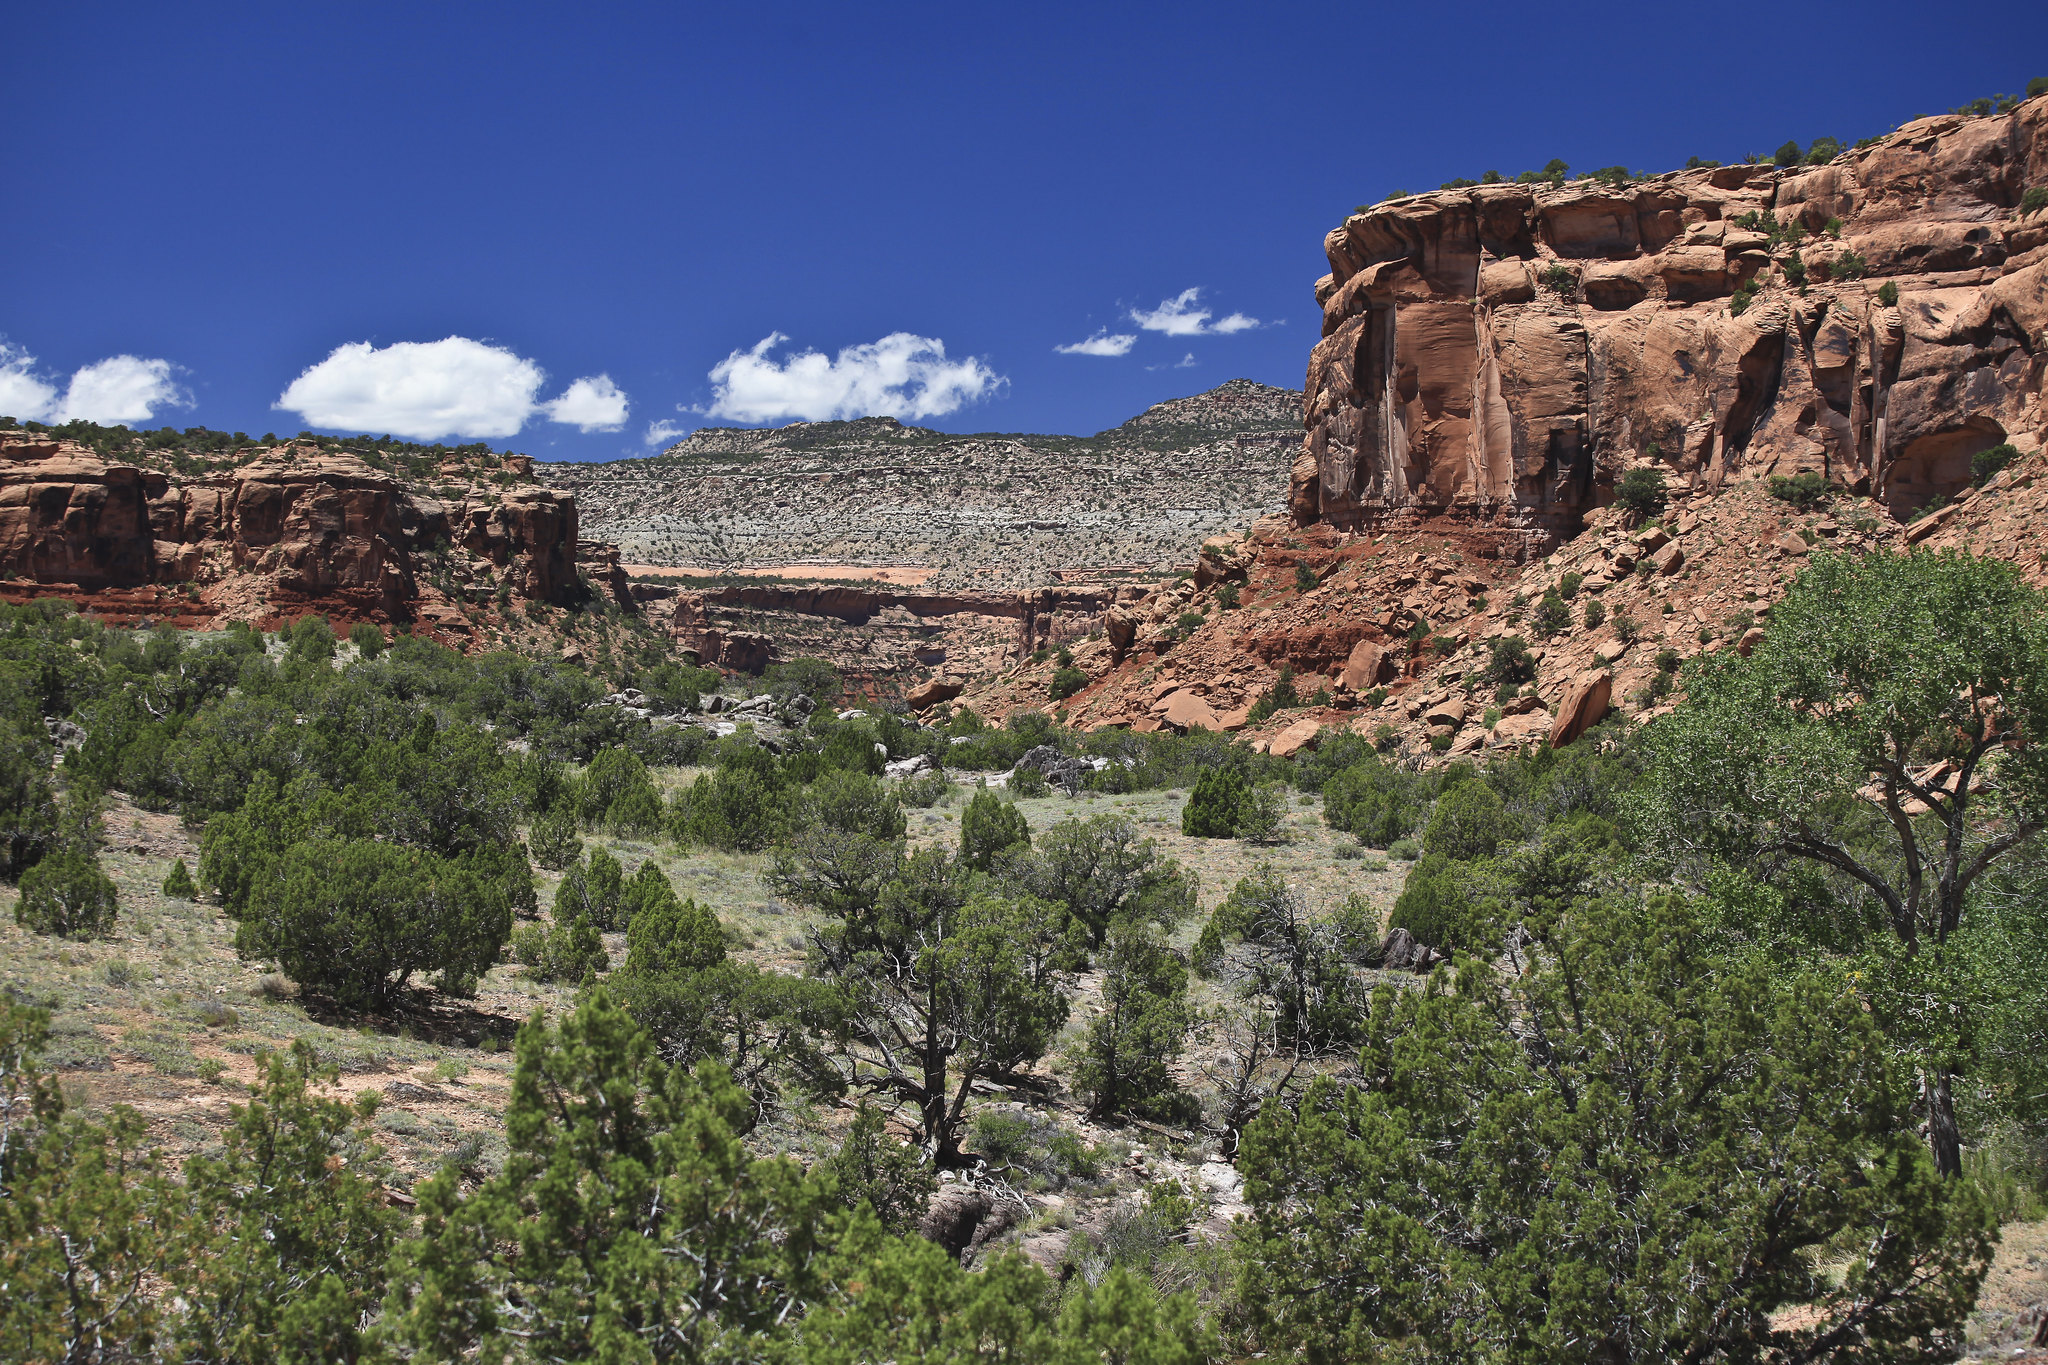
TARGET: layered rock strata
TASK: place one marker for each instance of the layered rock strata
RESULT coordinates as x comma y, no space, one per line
294,528
1505,353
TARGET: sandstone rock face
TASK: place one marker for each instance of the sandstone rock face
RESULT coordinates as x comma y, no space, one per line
294,528
1584,706
1506,352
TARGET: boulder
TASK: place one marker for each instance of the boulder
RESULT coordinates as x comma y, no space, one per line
1185,710
1062,770
932,692
1363,667
1751,638
1670,559
915,765
1401,953
1450,712
1296,737
1585,704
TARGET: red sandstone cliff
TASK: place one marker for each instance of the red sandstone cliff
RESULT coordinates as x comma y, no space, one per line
296,528
1506,352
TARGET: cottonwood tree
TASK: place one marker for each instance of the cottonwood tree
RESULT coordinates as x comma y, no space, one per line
1888,729
1623,1149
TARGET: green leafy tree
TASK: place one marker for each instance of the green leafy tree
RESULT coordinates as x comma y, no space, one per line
1624,1150
355,920
629,1221
854,801
367,638
80,1201
1375,801
1216,804
619,794
68,895
282,1252
667,935
989,828
1469,822
1124,1064
1262,817
942,988
566,950
1065,683
554,842
1272,950
1881,733
735,809
28,803
1641,492
1106,875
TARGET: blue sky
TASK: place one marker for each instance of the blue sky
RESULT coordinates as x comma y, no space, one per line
610,209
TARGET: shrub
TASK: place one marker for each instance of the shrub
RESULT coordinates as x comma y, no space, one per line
1065,683
1029,783
2034,200
553,840
1626,626
925,790
1227,596
68,895
1804,491
1568,586
564,952
1440,743
1469,822
1744,295
1850,265
1216,805
1404,850
1641,492
1888,294
1123,1065
368,640
1385,737
1551,616
991,826
669,937
1508,661
1788,155
1985,464
1596,612
1262,816
1305,579
1374,801
178,885
1350,852
893,1178
1560,280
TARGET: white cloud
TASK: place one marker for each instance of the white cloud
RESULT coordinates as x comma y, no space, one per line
663,433
1102,343
119,389
122,388
590,404
900,376
22,395
1183,316
425,390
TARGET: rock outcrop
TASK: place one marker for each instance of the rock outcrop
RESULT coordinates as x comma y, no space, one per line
1505,353
292,529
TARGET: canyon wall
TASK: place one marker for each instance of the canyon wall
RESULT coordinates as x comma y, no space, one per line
1504,353
294,529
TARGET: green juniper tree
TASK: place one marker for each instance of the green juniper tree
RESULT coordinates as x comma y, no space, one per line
1881,734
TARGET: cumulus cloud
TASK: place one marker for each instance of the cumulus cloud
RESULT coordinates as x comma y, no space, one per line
1102,343
900,376
426,390
1184,316
592,404
119,389
663,433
